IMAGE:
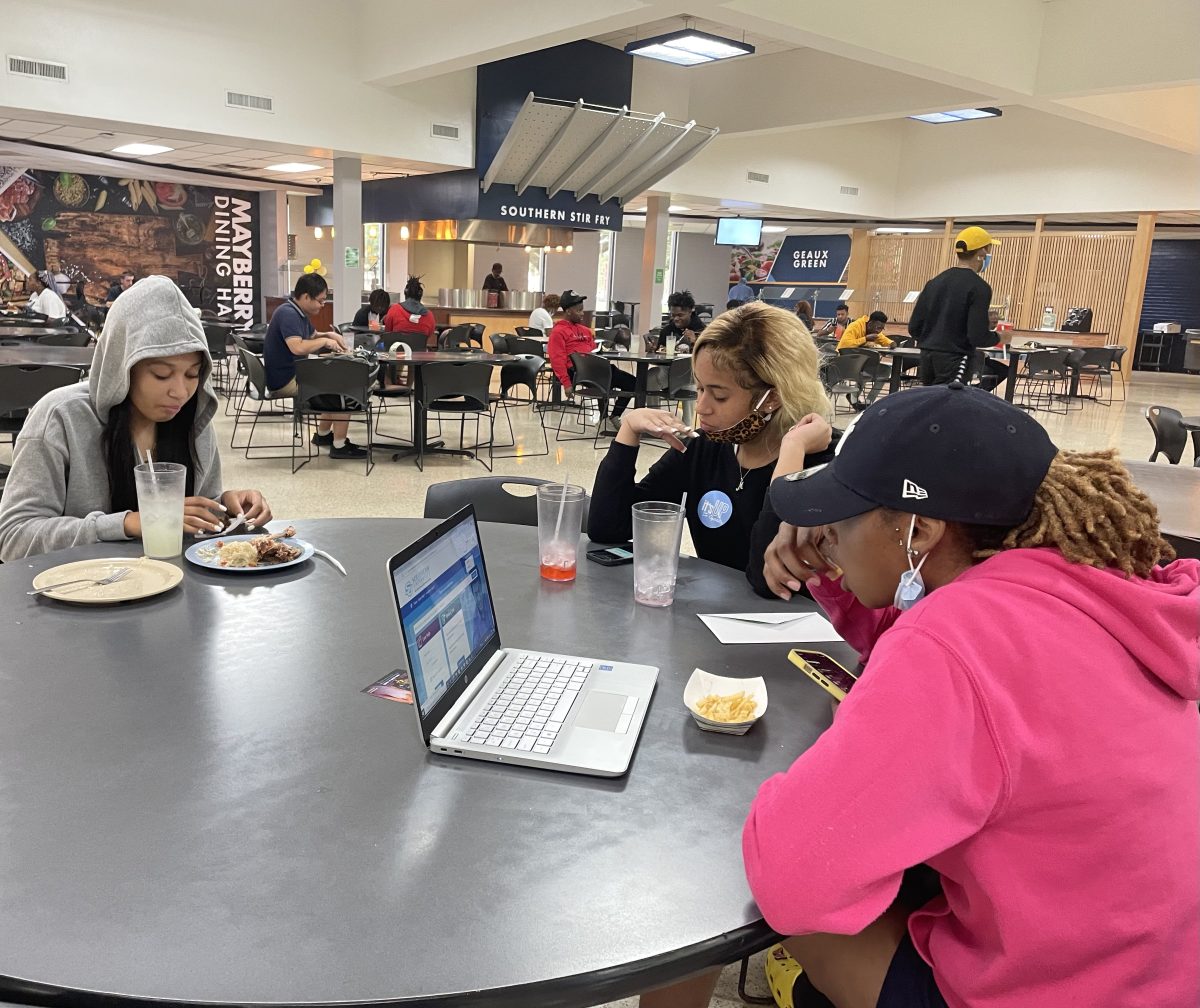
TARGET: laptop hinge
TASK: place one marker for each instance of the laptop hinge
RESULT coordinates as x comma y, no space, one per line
469,694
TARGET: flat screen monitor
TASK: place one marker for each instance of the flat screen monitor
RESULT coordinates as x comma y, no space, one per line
738,231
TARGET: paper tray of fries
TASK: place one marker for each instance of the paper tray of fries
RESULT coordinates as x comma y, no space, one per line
721,704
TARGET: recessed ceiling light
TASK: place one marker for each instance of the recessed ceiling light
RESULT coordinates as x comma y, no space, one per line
688,47
141,149
293,167
773,229
902,230
678,209
959,115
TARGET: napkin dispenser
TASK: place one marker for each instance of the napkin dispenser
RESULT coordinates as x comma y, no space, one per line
1167,327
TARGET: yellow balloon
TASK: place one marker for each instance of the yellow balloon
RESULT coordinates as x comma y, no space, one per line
308,268
322,272
316,264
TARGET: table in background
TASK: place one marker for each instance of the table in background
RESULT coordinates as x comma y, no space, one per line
416,362
36,353
200,805
644,362
1175,489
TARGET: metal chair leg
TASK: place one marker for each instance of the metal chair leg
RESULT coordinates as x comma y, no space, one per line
754,999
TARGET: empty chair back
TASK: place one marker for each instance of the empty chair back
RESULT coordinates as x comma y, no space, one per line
528,332
469,382
500,343
23,385
1170,436
522,372
593,375
1046,364
251,366
75,339
218,341
456,338
493,500
523,345
414,341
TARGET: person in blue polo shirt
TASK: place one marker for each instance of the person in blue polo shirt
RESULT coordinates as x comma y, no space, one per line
291,334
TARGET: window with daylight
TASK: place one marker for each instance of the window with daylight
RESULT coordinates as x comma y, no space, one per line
537,260
604,270
374,242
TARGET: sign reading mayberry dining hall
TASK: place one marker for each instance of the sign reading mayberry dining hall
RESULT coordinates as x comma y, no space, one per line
812,259
533,206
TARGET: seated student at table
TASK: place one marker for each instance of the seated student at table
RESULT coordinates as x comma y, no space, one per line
804,312
45,300
543,317
569,336
836,325
118,287
756,377
373,312
72,474
290,335
411,315
1028,699
683,324
867,332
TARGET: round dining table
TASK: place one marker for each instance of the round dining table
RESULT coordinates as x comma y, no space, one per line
202,807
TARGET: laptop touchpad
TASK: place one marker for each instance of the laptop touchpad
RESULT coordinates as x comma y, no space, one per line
601,710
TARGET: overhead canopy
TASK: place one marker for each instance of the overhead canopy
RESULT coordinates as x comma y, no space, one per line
591,149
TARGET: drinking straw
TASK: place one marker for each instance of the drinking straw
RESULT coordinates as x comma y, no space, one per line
150,463
562,505
682,519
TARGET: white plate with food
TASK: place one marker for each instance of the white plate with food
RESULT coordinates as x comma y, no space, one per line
145,578
248,554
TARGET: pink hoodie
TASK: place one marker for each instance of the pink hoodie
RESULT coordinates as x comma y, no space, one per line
1030,731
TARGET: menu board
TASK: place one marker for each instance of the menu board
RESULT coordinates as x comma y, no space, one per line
95,227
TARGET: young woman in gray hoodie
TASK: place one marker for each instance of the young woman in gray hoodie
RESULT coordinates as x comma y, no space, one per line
72,474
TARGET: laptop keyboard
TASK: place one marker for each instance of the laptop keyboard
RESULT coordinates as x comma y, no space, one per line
528,711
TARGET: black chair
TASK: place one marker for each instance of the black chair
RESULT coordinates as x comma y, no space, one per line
528,332
462,390
23,385
843,375
253,388
331,385
74,339
621,337
218,349
460,337
1115,369
873,368
1094,364
520,374
493,501
1170,434
592,387
1045,378
678,389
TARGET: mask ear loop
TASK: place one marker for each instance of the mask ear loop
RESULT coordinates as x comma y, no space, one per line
909,552
762,399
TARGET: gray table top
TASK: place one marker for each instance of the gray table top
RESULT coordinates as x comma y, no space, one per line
1176,491
38,354
200,805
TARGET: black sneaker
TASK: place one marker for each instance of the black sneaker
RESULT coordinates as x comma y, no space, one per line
324,440
348,451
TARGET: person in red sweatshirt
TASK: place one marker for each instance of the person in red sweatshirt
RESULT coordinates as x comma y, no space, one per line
1025,723
569,336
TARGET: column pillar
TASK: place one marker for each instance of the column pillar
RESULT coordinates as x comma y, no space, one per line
1029,317
654,251
347,281
275,280
1135,288
858,273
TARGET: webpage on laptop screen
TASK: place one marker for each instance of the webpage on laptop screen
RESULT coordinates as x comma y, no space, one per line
446,612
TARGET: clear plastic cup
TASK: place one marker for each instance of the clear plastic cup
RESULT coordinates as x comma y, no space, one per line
559,518
656,533
160,491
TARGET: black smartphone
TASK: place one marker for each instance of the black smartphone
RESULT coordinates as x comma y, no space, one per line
834,678
612,556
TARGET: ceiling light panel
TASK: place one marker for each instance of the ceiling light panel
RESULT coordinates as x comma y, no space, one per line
142,149
293,167
688,47
959,115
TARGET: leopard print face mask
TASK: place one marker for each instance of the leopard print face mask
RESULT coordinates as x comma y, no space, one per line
746,429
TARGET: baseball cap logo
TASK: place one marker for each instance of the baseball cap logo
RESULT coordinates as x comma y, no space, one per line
912,491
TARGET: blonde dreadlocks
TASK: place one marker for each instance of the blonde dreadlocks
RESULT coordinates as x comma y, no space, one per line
1089,509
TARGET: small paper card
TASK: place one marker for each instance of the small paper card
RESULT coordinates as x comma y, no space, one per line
393,686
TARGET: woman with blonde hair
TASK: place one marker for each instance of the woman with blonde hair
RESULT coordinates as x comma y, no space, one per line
755,370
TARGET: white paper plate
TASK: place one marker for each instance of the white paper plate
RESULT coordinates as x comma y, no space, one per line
702,683
147,577
194,554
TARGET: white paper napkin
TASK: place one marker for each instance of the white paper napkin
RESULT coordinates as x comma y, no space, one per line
769,628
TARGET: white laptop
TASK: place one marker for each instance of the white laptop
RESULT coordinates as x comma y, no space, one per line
478,699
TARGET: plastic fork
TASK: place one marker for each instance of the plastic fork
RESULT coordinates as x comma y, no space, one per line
112,578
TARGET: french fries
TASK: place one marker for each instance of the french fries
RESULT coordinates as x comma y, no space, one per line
734,709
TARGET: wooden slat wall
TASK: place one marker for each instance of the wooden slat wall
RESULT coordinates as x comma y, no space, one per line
1072,270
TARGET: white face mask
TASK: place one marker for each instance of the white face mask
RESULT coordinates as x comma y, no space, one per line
911,588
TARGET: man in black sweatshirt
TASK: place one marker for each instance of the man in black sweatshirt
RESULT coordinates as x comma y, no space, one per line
950,319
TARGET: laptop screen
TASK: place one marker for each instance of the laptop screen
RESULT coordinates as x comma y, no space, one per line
446,612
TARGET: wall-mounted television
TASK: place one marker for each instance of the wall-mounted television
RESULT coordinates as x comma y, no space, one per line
738,231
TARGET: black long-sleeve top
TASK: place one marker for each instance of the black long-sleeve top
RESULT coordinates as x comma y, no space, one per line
705,467
951,315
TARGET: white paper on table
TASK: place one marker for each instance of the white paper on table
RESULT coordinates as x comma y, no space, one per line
769,628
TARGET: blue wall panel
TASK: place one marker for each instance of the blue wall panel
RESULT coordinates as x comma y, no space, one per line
1173,284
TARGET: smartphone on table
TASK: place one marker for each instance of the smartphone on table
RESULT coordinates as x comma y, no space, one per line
612,556
834,678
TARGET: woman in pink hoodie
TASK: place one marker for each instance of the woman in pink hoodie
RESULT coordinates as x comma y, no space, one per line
1025,723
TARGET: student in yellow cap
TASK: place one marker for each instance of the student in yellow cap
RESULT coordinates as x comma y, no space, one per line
950,319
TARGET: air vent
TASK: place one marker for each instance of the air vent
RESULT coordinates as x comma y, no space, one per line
444,131
849,190
22,66
258,103
754,176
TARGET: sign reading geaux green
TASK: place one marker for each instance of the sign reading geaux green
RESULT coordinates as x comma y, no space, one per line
351,258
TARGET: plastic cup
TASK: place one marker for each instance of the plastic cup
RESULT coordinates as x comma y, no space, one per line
160,492
559,519
655,552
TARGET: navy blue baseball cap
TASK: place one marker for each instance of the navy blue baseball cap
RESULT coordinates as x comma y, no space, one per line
946,451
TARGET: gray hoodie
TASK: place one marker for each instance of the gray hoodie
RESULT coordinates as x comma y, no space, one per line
57,494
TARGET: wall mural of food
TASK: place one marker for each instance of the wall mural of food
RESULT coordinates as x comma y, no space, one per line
94,227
